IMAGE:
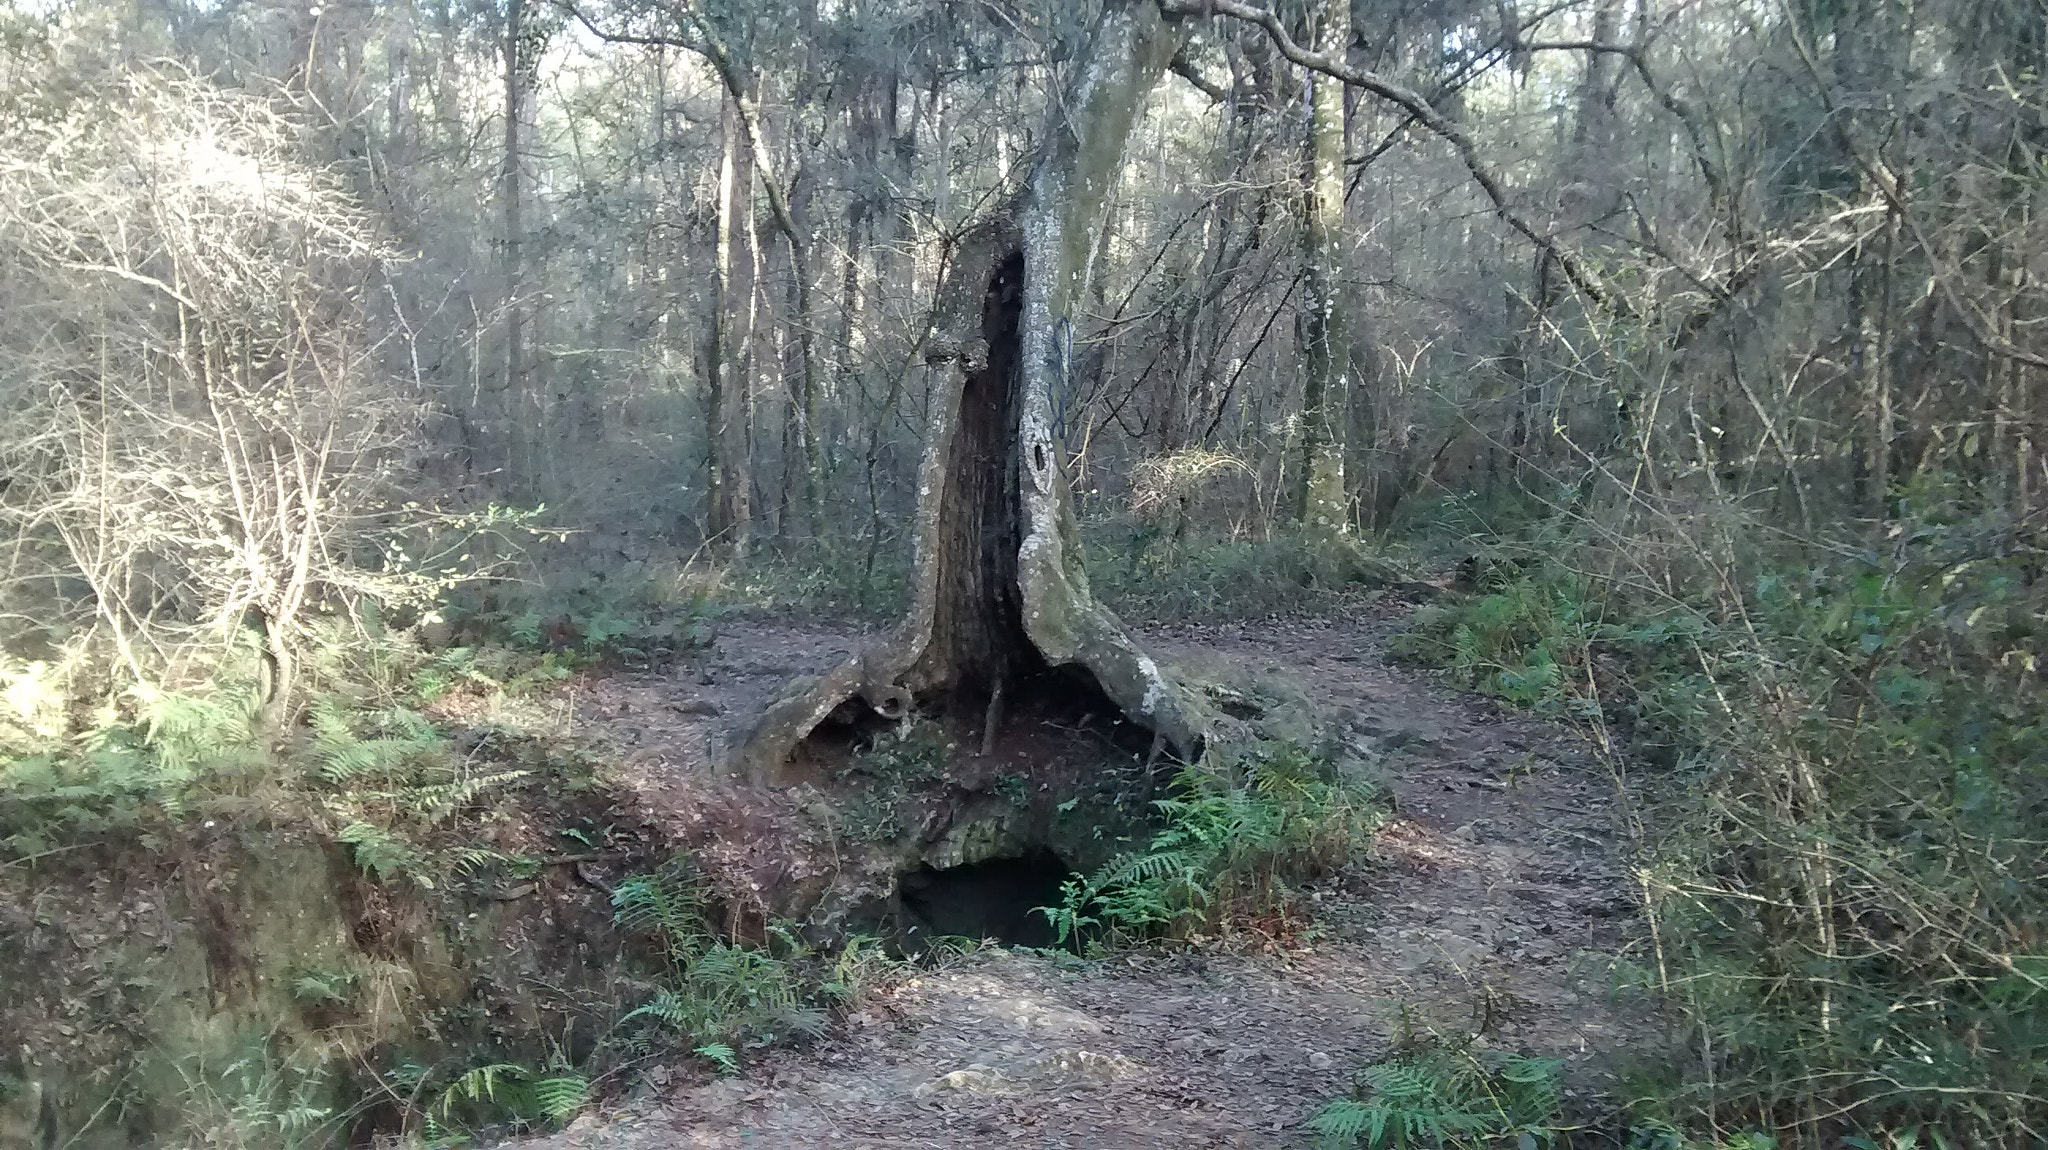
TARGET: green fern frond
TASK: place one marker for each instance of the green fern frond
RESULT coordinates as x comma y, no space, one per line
1446,1095
808,1021
667,901
483,1084
560,1097
380,853
719,1055
1345,1123
1147,866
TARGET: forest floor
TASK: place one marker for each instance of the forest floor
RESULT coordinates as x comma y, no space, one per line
1491,904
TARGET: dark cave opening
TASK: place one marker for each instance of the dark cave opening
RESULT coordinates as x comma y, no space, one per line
995,898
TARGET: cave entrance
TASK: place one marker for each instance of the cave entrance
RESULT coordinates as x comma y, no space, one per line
996,898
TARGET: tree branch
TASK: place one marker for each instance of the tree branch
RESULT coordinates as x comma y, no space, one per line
1412,102
1186,70
1687,116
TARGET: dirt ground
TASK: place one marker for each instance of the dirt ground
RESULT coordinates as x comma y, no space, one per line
1491,903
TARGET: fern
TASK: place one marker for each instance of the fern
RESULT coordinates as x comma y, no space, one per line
380,853
1531,1091
505,1091
1446,1095
325,988
1220,846
1346,1123
719,1055
560,1097
183,732
436,802
403,744
667,902
483,1084
447,671
714,992
525,629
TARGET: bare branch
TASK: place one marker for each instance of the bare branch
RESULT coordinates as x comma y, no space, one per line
1412,102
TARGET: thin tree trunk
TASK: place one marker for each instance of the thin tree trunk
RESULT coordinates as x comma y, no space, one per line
1320,503
739,451
717,508
747,112
502,418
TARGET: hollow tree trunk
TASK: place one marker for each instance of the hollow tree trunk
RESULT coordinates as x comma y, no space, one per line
1000,600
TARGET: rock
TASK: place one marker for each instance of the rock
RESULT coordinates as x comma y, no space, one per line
1317,1060
1074,1067
1060,1070
1237,1054
975,1079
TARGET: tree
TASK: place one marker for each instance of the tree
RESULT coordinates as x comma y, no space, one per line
1000,598
197,431
1321,504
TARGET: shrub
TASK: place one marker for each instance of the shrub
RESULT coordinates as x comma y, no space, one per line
1839,895
198,435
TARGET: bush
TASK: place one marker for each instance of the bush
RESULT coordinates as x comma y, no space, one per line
198,435
1526,641
1844,892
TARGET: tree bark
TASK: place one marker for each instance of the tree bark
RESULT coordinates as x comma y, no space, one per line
1000,599
1319,503
515,234
718,521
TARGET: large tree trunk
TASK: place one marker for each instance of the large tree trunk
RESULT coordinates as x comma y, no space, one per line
1001,607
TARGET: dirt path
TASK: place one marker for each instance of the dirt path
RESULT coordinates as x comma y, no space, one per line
1489,904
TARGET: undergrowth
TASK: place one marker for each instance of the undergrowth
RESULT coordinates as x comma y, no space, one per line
1447,1092
1844,892
893,768
720,1001
730,996
1232,840
840,575
368,741
1143,571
